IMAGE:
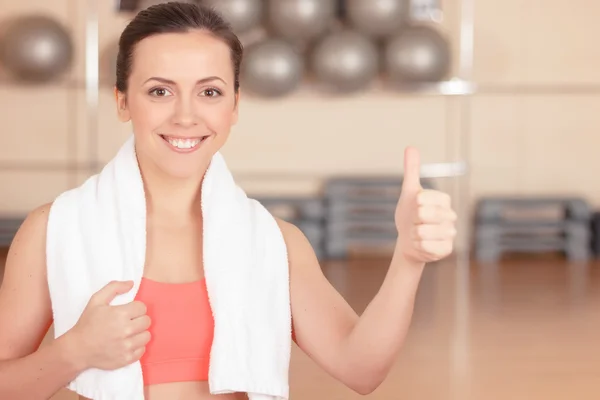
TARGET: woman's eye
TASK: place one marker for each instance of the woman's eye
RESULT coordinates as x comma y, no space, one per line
160,92
211,92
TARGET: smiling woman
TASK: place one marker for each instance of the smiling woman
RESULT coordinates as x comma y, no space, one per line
178,85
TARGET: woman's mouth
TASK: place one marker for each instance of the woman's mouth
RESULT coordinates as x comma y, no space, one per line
183,145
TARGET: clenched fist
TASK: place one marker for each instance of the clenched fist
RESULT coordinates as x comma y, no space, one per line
424,218
110,337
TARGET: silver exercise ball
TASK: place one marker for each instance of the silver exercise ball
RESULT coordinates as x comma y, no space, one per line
419,54
377,18
301,19
36,49
345,61
271,68
243,15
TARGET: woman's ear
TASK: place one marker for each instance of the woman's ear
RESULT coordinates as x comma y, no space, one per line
122,109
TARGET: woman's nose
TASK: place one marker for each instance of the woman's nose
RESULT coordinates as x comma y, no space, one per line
186,114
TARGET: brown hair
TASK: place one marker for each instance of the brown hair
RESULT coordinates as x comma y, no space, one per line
174,17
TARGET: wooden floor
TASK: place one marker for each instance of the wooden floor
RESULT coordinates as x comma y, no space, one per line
525,329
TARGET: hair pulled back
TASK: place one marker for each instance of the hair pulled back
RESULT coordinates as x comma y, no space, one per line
174,17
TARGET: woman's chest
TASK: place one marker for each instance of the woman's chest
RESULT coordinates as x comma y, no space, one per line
173,252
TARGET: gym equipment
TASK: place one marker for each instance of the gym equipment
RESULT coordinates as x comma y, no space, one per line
126,5
377,18
418,54
533,209
243,15
8,229
108,63
532,225
307,213
300,19
596,234
341,9
36,48
345,61
360,214
272,68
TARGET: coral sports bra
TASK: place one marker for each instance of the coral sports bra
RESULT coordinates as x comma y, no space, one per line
181,329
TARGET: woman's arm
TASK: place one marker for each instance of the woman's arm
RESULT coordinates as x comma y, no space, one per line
41,374
27,372
358,352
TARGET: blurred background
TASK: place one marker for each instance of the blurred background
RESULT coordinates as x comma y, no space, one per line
500,97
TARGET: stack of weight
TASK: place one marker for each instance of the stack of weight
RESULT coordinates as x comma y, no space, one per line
360,215
532,225
307,213
596,234
8,229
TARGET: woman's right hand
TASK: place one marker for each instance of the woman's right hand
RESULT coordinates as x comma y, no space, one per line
110,337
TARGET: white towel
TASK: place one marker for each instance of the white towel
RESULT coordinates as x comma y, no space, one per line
97,233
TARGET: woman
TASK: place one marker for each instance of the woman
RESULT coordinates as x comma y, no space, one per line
178,84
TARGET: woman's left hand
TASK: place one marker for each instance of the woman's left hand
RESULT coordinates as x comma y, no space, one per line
424,218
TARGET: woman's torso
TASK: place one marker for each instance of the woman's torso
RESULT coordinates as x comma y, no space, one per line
175,364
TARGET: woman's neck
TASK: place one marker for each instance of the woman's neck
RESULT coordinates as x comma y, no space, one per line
171,198
178,199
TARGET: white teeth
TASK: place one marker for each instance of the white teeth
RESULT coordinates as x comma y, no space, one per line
183,143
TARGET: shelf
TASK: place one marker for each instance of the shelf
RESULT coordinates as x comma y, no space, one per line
452,87
428,171
52,166
432,170
537,89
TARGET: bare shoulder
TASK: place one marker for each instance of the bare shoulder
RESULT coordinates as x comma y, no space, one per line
300,251
27,251
31,235
295,239
290,231
25,310
36,219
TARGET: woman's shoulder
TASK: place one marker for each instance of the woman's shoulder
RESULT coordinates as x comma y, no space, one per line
30,240
33,228
291,233
37,218
299,248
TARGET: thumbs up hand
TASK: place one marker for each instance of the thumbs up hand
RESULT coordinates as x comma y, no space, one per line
424,218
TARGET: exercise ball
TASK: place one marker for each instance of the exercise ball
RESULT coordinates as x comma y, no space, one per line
36,49
243,15
301,19
345,61
377,18
419,54
271,68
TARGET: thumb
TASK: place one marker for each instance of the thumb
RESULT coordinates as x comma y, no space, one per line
112,290
412,170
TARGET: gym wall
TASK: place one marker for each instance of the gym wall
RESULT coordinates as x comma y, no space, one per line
526,132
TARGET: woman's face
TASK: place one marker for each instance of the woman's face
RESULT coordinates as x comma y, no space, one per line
180,100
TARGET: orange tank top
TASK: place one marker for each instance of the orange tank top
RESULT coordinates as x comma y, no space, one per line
181,331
